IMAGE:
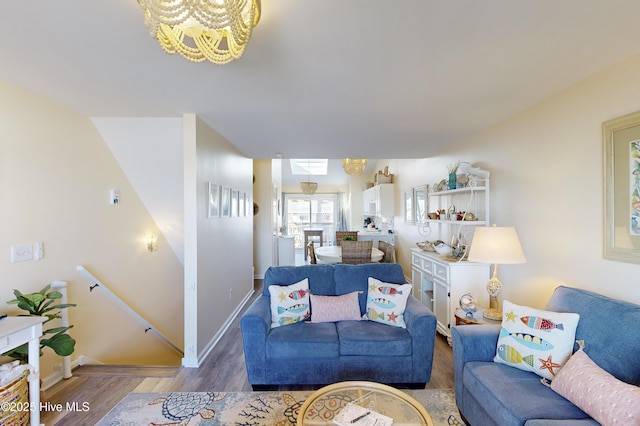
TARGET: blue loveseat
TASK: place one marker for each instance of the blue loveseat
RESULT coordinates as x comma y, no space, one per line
307,353
489,393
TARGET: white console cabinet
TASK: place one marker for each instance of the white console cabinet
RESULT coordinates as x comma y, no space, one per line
440,283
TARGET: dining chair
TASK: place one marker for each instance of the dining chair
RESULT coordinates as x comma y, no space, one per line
350,235
389,251
355,252
312,253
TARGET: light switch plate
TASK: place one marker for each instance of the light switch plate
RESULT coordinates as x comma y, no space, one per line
21,253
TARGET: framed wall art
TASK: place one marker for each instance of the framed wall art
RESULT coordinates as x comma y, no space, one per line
621,141
225,203
234,203
214,200
241,204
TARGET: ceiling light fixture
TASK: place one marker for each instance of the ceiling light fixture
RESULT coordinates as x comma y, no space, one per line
217,30
308,188
354,166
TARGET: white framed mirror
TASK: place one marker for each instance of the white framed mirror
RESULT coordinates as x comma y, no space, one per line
420,203
408,207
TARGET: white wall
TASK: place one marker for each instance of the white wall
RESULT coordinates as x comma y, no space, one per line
263,221
546,179
218,251
55,176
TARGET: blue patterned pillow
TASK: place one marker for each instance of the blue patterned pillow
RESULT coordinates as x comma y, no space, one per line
386,302
535,340
289,304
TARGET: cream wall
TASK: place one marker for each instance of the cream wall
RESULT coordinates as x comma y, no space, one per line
546,168
218,260
265,222
55,176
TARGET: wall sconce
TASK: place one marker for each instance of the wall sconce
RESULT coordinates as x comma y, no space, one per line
152,243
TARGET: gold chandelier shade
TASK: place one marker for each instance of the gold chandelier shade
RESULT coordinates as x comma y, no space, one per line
354,166
309,188
199,30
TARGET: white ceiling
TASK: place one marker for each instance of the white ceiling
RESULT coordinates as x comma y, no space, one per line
328,78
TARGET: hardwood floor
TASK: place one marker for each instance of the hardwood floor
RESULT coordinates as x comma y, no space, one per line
96,390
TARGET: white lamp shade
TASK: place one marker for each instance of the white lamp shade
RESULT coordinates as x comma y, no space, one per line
498,245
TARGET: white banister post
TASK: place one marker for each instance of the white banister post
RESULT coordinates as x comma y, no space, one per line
61,286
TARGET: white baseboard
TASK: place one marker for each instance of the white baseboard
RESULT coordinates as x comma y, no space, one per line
192,363
58,374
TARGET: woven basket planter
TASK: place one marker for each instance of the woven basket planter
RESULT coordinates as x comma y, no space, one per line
15,397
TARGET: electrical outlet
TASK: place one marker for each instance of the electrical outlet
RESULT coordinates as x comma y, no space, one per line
21,253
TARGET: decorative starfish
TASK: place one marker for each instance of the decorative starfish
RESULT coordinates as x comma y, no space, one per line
549,365
510,316
392,316
283,297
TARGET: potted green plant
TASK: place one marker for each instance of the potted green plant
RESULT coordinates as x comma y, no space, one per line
43,304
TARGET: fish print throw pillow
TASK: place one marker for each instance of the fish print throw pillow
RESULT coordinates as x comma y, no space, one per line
535,340
289,304
386,302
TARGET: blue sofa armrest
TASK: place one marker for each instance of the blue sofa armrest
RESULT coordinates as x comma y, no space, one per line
421,324
255,325
472,343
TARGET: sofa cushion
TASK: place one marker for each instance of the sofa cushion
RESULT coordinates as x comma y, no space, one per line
535,340
605,323
320,278
303,340
289,304
335,308
372,339
605,398
350,278
386,302
513,396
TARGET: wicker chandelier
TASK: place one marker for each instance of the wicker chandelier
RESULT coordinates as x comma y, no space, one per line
354,166
214,30
308,187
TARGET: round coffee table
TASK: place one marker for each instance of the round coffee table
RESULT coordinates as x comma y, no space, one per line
322,405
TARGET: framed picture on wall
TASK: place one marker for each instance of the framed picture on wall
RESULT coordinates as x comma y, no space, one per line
234,203
242,205
226,202
621,140
214,200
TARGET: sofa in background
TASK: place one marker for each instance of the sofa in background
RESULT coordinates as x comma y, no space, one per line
308,353
490,393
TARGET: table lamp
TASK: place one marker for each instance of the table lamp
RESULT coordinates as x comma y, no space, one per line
495,245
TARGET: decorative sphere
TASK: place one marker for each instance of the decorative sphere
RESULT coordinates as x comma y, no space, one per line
468,304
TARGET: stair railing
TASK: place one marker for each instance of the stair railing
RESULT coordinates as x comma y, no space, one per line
147,326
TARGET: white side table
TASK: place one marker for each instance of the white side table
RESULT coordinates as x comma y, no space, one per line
16,331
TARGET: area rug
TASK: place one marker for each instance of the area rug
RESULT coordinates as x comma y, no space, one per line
247,408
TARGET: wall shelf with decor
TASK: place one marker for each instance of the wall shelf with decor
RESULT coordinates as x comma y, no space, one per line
453,213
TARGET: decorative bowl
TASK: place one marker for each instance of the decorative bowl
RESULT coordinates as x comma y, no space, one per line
426,246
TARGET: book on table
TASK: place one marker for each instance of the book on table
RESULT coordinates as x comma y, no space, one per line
356,415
